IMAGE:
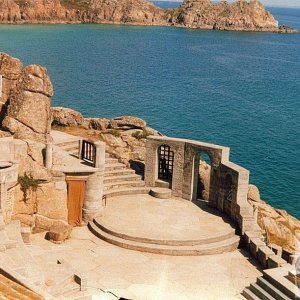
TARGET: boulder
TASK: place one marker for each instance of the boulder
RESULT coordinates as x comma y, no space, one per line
280,227
63,116
99,124
58,233
10,70
29,115
113,140
253,193
127,122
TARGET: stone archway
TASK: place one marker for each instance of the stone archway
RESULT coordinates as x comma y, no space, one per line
201,176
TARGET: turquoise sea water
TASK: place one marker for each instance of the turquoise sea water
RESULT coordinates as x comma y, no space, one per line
231,88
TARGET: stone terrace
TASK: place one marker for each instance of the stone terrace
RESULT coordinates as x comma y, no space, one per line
138,275
164,226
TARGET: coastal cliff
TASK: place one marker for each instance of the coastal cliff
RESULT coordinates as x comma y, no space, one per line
199,14
240,15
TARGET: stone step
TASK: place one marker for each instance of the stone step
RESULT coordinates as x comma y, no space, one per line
161,193
59,278
249,295
123,184
111,160
67,290
260,292
114,166
70,147
162,184
66,144
203,241
120,172
271,289
197,250
126,191
10,289
126,177
278,277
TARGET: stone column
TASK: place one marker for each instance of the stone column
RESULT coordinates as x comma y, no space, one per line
92,205
49,156
151,164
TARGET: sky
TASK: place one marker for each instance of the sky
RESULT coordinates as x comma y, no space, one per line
282,3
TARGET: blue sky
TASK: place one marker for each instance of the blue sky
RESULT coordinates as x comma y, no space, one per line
284,3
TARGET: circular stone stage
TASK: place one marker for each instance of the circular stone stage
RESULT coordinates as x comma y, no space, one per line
164,226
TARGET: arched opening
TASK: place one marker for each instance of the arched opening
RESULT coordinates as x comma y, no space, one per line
165,163
203,178
228,194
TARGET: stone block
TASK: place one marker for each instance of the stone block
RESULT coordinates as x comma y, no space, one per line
276,249
254,244
58,233
45,224
51,202
262,255
249,235
275,261
26,235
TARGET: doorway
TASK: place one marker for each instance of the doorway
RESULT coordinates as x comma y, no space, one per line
76,191
165,163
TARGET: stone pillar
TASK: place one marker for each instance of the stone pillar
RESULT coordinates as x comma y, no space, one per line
190,173
92,205
178,169
49,155
151,164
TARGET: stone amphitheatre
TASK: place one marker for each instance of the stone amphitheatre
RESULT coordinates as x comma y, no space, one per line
112,209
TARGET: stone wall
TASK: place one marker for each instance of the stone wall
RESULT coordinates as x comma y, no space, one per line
228,182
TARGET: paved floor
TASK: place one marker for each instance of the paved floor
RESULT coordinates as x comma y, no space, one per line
163,219
142,276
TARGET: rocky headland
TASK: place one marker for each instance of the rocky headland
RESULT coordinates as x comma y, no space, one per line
199,14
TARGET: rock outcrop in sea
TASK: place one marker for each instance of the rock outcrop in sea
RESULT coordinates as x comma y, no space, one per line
240,15
200,14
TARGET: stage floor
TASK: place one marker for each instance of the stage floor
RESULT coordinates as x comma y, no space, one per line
174,222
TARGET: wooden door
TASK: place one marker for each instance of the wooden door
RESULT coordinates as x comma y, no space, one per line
76,191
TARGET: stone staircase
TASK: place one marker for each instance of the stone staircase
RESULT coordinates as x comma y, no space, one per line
225,242
71,146
275,284
120,180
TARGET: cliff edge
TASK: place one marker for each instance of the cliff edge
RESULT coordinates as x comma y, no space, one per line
199,14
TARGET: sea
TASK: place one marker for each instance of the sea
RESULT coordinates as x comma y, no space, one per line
236,89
